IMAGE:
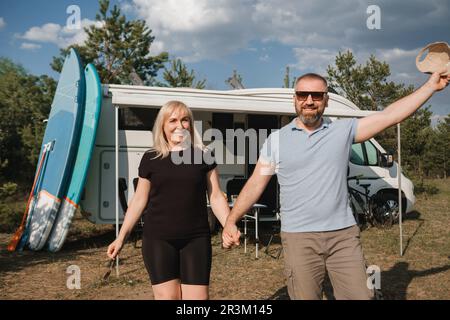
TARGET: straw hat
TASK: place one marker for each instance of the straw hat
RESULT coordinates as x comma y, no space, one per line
436,60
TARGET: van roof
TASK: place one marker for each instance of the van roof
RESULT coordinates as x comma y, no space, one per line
259,100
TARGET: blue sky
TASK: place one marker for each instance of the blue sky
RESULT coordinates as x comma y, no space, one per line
258,38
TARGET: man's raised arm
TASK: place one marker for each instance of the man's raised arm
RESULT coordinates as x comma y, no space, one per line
400,109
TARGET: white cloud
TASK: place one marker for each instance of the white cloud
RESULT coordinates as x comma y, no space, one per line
126,7
202,29
396,54
30,46
2,23
313,60
197,29
186,16
402,64
47,33
315,31
62,36
157,47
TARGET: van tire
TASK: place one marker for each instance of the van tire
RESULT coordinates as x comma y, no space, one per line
390,199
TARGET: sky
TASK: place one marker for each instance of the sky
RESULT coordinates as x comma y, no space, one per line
258,38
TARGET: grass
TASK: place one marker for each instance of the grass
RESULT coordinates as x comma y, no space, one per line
423,272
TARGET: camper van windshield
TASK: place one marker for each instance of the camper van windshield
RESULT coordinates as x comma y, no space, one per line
364,154
357,156
372,158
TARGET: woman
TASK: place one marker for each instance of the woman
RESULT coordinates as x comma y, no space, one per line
176,244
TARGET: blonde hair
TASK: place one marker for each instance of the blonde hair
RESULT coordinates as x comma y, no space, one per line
160,141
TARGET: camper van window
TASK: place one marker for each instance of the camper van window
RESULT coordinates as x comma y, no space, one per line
372,158
222,121
139,119
357,155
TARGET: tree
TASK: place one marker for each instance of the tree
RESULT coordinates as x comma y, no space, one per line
25,101
287,79
367,87
437,152
118,48
179,76
235,81
416,133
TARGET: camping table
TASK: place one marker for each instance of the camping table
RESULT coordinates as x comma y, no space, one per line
253,215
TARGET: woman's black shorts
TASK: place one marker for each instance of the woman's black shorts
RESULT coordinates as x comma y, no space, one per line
186,259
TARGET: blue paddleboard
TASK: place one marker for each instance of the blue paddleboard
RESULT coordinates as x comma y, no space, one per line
84,154
61,140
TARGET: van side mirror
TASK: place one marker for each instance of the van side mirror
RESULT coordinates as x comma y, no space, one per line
385,160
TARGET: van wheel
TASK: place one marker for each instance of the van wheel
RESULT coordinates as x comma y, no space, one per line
212,221
385,209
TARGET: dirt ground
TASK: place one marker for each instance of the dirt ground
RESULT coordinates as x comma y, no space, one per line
421,273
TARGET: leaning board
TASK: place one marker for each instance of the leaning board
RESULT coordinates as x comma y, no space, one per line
61,134
83,158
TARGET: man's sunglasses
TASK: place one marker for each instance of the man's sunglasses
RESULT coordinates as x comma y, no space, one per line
315,95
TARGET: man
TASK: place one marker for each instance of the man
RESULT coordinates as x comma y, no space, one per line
310,158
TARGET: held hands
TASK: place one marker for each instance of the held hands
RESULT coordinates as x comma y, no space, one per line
230,235
114,248
436,82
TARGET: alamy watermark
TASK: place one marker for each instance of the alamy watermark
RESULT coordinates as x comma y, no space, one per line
373,22
237,147
74,278
74,20
374,279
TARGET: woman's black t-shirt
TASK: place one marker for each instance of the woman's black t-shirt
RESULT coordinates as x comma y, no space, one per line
176,208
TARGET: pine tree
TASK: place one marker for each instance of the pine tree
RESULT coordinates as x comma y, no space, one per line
416,134
365,85
438,150
235,81
179,76
286,80
118,49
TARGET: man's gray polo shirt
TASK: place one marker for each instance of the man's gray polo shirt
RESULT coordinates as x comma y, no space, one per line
312,173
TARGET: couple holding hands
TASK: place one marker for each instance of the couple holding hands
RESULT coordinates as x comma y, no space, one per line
318,231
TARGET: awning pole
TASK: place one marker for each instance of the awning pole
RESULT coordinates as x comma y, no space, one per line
116,176
399,177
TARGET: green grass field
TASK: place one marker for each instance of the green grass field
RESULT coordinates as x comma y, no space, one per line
423,272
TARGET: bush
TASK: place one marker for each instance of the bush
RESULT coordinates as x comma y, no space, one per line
7,190
10,216
10,210
421,187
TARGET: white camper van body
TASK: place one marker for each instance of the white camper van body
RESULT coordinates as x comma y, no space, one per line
240,108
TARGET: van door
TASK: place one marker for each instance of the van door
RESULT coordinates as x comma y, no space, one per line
270,195
364,162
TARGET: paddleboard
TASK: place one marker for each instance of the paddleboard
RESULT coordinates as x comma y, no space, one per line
70,202
60,139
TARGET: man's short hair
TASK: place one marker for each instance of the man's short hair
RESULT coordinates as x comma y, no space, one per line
312,76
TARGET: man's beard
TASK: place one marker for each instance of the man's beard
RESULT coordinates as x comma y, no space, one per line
310,120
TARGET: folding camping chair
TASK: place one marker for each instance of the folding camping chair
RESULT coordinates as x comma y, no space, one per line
233,188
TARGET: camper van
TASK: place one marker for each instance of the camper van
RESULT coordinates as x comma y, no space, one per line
128,114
